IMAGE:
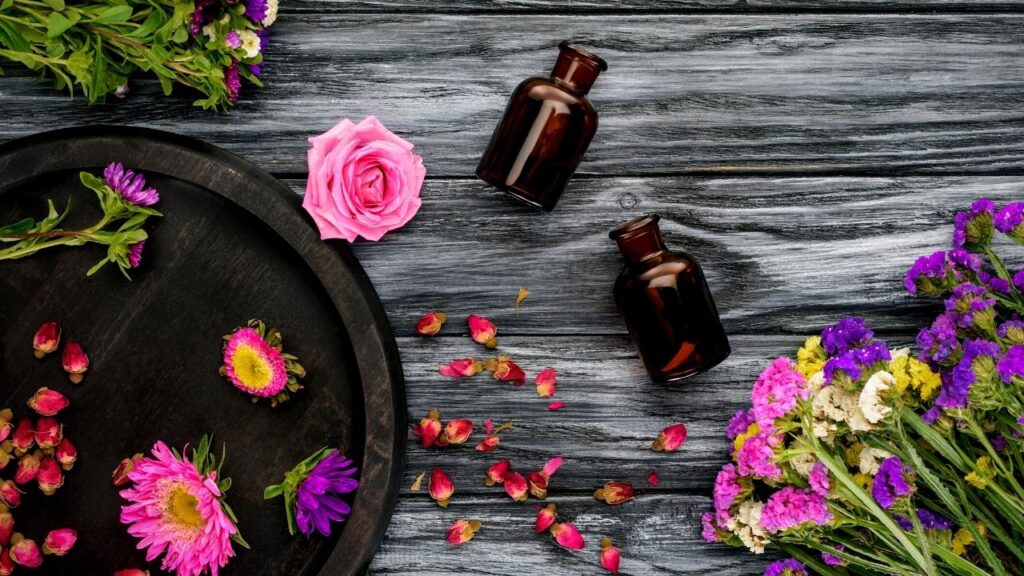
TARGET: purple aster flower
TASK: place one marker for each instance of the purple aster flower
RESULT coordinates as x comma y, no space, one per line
135,253
256,10
974,309
1012,364
831,560
818,479
790,567
232,80
940,342
974,228
739,423
890,483
318,500
929,275
130,185
232,39
793,507
846,334
777,390
1010,220
929,521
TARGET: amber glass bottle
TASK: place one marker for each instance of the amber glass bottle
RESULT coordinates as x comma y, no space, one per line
547,127
667,304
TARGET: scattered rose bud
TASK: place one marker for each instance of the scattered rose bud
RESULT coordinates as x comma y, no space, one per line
462,368
6,528
49,432
50,476
6,454
539,479
48,402
26,553
515,486
10,494
610,556
124,468
47,339
75,361
429,428
462,531
670,439
132,572
567,536
441,487
66,454
59,542
504,369
24,437
28,469
6,424
523,293
483,331
615,493
496,473
6,564
455,432
546,382
431,323
653,479
556,406
546,516
417,482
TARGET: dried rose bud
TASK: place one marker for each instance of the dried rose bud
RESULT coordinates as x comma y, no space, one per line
25,552
28,469
6,528
66,454
488,444
441,487
47,339
50,476
483,331
670,439
59,542
48,402
6,424
515,486
496,473
462,368
49,432
567,536
546,516
429,428
610,556
456,432
10,494
504,369
6,453
6,564
431,323
546,382
124,468
75,361
24,437
132,572
539,479
462,531
615,493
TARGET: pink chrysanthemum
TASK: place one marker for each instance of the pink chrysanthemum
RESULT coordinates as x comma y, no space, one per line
176,511
254,366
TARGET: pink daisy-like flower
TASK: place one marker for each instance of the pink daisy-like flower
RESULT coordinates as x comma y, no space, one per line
175,510
254,366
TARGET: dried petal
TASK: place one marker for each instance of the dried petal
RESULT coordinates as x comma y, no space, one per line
556,406
124,468
462,531
538,485
6,424
132,572
10,494
6,564
483,331
24,437
59,542
515,486
429,428
48,402
456,432
431,323
610,556
488,444
47,339
441,487
66,454
6,528
615,493
462,368
28,469
26,553
567,536
489,426
50,476
552,466
545,518
523,293
496,473
504,369
48,432
670,439
546,382
6,454
653,479
75,361
418,482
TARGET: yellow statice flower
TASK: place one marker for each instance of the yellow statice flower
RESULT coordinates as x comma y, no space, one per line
914,374
810,358
865,480
982,473
963,538
852,454
899,367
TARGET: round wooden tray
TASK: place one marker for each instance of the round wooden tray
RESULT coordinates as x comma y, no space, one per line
233,245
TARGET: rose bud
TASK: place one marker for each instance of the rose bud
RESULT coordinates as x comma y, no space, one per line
539,479
49,432
496,473
483,331
567,536
462,531
24,437
10,494
615,493
6,528
50,476
488,444
546,382
461,368
441,487
456,432
28,469
48,402
504,369
59,542
431,323
6,424
545,518
515,486
6,564
124,468
75,361
6,453
610,556
47,339
66,454
132,572
25,552
670,439
429,428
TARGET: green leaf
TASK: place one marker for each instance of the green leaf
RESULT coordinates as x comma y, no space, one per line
57,5
58,23
97,84
6,4
113,15
180,35
271,492
19,227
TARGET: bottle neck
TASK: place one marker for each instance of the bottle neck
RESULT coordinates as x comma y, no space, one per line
639,239
576,68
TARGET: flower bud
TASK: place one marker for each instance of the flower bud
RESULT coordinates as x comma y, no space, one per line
28,469
670,439
59,542
504,369
546,382
130,572
6,528
24,437
567,536
462,531
610,556
483,331
47,339
431,323
515,486
496,473
48,402
6,564
456,432
49,432
6,424
429,428
461,368
124,468
66,454
441,487
545,518
26,553
10,494
75,361
50,476
615,493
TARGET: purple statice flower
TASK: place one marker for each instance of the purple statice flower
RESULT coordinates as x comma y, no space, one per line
790,567
932,414
998,442
844,364
727,488
974,309
776,391
974,228
890,482
232,80
129,185
929,521
255,10
994,282
739,423
318,500
831,560
1018,280
964,261
1012,330
853,362
1012,364
846,334
793,507
1020,421
928,275
940,343
818,479
965,373
756,457
1010,220
203,12
232,40
871,353
708,529
255,69
135,253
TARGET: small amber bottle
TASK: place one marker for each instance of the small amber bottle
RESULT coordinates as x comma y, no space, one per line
667,304
547,127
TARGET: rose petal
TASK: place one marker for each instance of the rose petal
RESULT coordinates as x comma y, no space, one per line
515,486
545,518
546,382
556,406
456,432
538,485
483,331
504,369
567,536
523,293
462,531
418,482
441,487
670,439
461,368
488,444
653,479
610,556
429,428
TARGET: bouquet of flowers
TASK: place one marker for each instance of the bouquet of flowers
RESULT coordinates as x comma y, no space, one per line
856,458
96,46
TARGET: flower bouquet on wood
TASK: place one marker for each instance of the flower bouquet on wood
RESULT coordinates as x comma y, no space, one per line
856,458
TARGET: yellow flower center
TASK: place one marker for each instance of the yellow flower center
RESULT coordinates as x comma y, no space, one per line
183,508
251,368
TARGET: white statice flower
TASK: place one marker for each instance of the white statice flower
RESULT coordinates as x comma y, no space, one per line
803,463
746,524
837,405
250,43
870,401
871,458
271,16
900,353
210,31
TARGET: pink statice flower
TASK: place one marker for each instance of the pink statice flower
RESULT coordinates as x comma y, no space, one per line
818,479
793,507
777,390
756,457
728,486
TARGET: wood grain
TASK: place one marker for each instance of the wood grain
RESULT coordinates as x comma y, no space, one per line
589,7
714,94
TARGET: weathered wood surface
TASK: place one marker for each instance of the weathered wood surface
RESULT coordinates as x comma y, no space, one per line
486,7
684,94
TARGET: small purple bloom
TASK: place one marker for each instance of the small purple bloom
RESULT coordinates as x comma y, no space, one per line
256,10
739,424
135,253
844,364
974,228
831,560
727,487
1009,219
232,39
318,500
932,414
255,69
1012,364
232,80
793,507
928,275
994,282
846,334
940,342
974,309
929,521
131,186
998,442
818,479
790,567
890,483
1013,330
871,354
1018,280
203,12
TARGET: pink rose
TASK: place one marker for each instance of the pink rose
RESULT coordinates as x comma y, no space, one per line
363,181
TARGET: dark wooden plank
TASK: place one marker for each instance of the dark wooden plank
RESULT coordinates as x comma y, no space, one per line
717,94
634,6
659,535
